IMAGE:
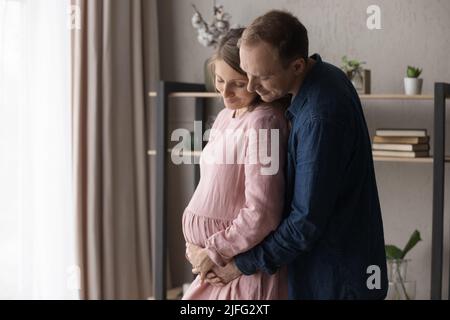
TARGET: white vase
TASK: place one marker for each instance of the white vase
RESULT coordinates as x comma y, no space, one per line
209,76
413,86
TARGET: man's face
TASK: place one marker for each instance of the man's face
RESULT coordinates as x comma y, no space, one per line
266,74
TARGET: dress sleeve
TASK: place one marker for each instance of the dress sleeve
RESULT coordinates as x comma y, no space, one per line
264,191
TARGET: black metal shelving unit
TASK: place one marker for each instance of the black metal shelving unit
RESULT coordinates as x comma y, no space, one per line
166,89
160,255
441,93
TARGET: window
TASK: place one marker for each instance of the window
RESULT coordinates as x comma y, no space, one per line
37,223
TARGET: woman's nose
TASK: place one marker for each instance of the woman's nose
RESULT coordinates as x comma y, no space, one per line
227,91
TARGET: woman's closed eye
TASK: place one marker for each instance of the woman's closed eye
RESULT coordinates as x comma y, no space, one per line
238,84
232,83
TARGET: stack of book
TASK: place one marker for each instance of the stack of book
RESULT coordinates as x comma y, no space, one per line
402,143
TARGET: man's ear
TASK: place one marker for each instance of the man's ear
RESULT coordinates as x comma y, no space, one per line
299,66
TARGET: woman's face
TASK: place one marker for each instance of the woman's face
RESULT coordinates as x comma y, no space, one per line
232,86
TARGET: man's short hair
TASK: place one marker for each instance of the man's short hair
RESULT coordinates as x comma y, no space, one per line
282,30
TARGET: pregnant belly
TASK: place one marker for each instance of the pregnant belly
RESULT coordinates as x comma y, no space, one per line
197,229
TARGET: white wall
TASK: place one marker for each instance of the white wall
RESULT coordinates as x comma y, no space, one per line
414,32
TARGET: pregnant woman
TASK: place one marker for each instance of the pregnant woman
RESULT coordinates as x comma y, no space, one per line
239,198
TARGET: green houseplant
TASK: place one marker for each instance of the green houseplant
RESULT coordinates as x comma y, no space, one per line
397,265
351,65
359,76
413,84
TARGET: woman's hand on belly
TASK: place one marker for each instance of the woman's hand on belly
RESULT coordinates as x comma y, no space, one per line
199,259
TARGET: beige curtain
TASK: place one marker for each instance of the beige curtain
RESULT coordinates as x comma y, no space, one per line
114,64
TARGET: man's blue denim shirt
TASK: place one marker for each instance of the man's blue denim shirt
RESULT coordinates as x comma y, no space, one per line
331,236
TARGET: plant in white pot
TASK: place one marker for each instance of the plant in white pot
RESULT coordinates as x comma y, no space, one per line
399,286
413,84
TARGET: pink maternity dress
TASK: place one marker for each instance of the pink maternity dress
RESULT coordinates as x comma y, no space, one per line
236,203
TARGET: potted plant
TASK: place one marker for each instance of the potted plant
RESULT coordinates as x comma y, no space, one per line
413,84
359,76
399,287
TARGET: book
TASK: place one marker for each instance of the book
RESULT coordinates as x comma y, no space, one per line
401,132
400,140
400,147
400,154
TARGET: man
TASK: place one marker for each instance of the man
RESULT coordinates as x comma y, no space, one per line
331,237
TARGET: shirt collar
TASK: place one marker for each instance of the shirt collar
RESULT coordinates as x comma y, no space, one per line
301,96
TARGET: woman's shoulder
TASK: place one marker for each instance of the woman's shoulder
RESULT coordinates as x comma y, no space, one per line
221,115
267,113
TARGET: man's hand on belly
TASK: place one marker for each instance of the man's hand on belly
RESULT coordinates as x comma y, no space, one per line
222,275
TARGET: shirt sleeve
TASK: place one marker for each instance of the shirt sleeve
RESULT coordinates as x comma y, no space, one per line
264,192
319,152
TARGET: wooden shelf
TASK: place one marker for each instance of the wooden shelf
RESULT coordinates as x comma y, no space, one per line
362,96
415,160
189,94
187,153
375,158
395,97
195,95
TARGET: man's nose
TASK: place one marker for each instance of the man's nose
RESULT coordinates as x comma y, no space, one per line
251,84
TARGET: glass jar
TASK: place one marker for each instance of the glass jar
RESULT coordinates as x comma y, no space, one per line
397,269
356,78
400,287
405,290
209,76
